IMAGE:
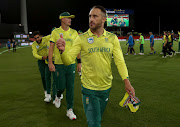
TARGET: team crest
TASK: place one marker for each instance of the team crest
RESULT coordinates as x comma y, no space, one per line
90,40
106,39
37,46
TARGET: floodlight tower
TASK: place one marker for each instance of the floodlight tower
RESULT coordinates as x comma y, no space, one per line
24,16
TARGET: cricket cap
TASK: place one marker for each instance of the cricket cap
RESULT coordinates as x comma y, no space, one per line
131,102
66,15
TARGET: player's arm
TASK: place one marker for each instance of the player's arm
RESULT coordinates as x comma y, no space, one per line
121,66
165,42
51,49
35,54
79,62
69,57
50,57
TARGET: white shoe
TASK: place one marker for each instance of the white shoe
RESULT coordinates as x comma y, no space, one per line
71,114
61,96
134,53
48,98
164,57
126,54
45,93
142,54
57,102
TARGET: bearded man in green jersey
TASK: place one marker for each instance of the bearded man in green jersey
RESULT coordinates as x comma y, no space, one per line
96,46
40,51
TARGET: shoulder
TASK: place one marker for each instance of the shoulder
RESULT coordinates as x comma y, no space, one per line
73,31
34,43
110,34
56,30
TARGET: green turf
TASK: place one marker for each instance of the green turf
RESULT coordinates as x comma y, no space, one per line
156,81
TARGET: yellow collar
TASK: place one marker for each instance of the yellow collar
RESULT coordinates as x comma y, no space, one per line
91,34
64,30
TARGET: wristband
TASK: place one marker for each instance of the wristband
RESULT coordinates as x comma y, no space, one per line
79,60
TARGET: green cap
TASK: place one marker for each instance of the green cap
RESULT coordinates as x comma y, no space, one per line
66,15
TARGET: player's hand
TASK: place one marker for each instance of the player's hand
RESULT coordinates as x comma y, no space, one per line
44,57
51,67
129,88
79,67
61,44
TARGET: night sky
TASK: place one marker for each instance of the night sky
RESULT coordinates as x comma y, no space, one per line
43,14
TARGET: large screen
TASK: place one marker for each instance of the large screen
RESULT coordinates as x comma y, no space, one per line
118,20
120,17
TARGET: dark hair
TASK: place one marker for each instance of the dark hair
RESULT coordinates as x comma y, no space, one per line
36,33
103,10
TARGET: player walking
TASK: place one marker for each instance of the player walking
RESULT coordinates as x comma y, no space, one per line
131,44
152,43
166,45
141,41
64,74
40,51
96,47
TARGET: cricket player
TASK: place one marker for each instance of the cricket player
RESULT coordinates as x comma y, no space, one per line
9,45
170,41
40,51
122,23
14,45
166,45
114,20
179,42
65,75
96,46
141,41
131,44
152,43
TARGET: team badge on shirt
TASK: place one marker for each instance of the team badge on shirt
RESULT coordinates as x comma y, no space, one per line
106,39
90,40
37,46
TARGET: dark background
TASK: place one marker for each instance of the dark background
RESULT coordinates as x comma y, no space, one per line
43,14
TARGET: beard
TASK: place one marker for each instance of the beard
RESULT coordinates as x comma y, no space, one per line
94,26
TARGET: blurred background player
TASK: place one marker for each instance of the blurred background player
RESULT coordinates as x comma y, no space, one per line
170,42
8,45
166,45
152,43
141,41
14,45
179,42
65,75
40,50
164,40
131,44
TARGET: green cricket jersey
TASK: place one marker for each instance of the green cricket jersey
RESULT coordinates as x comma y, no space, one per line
69,36
40,50
141,39
96,57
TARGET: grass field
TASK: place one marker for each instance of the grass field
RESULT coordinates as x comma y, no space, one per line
156,80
